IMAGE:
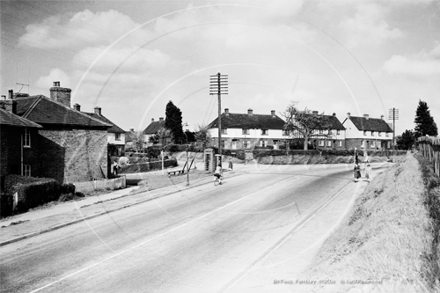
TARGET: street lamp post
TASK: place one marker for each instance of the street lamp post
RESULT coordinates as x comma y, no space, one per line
187,166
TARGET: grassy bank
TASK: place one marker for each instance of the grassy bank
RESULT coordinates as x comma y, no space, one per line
382,244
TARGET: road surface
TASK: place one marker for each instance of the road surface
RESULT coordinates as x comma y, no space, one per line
209,238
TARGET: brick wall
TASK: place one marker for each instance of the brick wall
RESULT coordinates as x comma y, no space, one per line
10,152
74,155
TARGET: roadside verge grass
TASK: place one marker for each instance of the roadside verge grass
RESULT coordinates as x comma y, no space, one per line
381,244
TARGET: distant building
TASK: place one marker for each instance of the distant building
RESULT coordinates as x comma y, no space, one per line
152,129
246,131
115,134
367,133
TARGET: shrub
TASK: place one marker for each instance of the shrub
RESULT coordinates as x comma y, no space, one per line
34,194
6,202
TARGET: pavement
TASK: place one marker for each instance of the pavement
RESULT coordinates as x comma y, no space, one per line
42,220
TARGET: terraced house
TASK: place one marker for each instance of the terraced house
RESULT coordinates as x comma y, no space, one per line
70,145
245,131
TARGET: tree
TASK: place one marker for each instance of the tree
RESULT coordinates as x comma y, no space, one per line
406,140
137,138
173,122
305,122
202,136
190,135
425,124
162,136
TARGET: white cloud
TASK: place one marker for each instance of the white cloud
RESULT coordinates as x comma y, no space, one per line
55,74
368,26
422,63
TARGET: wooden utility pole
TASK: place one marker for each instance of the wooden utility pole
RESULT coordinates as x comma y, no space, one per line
218,86
394,115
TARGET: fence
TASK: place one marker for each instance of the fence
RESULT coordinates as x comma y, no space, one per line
430,149
109,184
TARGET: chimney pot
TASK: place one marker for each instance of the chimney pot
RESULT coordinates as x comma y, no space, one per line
334,114
381,117
98,111
56,83
366,116
77,107
160,118
226,111
3,97
272,112
250,112
152,119
11,94
315,112
348,114
132,129
60,94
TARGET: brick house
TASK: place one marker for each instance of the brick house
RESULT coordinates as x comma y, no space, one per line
367,133
115,134
17,142
246,131
72,146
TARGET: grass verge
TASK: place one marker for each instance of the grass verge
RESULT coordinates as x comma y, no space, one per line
380,246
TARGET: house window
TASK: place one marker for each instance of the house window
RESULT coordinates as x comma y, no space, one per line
338,132
26,170
286,132
340,143
223,143
27,138
117,136
263,143
320,131
372,144
264,132
330,132
321,143
365,133
329,143
387,134
379,133
245,131
372,133
224,131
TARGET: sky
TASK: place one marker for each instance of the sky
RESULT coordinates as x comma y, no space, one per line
132,57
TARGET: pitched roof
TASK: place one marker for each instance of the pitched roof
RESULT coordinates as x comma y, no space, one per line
332,122
42,110
154,127
7,118
114,129
370,124
253,121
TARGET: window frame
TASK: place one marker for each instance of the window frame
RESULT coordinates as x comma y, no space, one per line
245,131
27,138
27,170
264,131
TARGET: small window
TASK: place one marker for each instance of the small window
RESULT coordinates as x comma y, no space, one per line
223,143
340,142
27,170
286,132
320,131
224,131
329,143
263,143
387,134
264,132
330,132
245,131
27,138
379,133
372,133
117,136
365,133
338,132
321,143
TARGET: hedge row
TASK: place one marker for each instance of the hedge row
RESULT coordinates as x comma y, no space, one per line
325,152
32,192
145,167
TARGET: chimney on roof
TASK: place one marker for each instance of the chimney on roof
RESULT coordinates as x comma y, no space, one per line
9,105
272,112
381,117
60,94
348,115
226,111
77,107
366,116
98,110
334,114
131,129
250,112
3,97
152,119
160,119
11,94
315,112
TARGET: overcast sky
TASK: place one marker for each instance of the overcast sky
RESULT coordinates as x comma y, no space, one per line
132,57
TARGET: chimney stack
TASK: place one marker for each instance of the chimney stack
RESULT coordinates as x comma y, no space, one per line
250,112
381,117
60,94
315,112
226,111
348,115
131,129
9,105
98,111
152,119
11,94
366,116
272,112
160,119
77,107
334,114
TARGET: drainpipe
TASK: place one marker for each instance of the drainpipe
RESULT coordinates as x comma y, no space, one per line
21,155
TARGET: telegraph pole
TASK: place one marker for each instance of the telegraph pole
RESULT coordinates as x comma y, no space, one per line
393,115
218,85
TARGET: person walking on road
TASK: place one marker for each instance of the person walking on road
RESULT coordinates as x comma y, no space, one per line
357,172
230,164
218,174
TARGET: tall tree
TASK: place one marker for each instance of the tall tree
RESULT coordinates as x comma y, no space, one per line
425,124
173,121
305,122
406,140
202,136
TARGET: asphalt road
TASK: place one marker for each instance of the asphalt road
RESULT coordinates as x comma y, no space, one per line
204,239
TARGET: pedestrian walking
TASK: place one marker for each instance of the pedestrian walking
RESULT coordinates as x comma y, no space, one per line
357,172
230,164
368,171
